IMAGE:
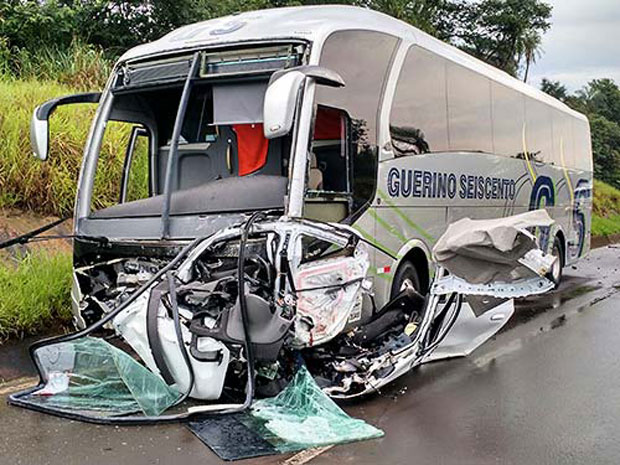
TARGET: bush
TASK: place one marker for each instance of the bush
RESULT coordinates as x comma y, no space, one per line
606,199
112,24
605,226
606,210
35,295
80,66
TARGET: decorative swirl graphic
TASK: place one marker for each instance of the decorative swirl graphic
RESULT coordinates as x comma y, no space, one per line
583,192
543,195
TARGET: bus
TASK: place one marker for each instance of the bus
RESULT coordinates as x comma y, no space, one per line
333,116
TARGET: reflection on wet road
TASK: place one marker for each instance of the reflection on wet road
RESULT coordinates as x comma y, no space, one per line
542,391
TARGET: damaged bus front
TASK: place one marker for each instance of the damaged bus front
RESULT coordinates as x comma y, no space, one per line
223,148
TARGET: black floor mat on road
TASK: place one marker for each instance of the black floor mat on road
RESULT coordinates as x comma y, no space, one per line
229,438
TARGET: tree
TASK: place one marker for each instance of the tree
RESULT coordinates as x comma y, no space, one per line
606,149
530,50
120,24
30,24
554,88
432,16
504,33
602,96
600,101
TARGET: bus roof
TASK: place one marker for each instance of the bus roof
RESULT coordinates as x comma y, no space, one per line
314,24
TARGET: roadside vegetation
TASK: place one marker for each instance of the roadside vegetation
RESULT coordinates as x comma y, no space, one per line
599,100
81,66
40,58
49,188
606,210
35,294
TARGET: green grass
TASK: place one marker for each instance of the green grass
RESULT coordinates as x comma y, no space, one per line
605,226
606,210
49,187
35,294
606,199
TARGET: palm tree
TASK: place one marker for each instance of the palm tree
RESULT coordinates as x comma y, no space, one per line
529,50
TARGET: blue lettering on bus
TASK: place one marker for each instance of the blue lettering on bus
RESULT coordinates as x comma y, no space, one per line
393,182
451,185
441,185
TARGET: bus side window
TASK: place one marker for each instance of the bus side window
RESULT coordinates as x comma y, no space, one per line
581,158
363,59
508,121
539,132
329,157
419,118
469,110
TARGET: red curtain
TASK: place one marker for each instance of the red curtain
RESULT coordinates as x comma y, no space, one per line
251,147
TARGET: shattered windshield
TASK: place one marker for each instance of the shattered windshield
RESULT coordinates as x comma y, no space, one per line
221,142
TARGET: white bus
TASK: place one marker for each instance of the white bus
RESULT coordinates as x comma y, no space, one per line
338,115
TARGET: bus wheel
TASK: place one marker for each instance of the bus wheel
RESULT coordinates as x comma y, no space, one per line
406,275
556,271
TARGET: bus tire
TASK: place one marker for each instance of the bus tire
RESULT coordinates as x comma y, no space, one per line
406,275
556,271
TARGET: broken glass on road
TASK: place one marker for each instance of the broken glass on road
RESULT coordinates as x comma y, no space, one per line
91,375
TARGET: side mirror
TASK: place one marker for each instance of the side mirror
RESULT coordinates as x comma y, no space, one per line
282,94
39,124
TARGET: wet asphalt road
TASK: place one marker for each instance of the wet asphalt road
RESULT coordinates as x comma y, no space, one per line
545,390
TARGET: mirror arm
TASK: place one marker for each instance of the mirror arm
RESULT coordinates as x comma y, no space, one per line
44,111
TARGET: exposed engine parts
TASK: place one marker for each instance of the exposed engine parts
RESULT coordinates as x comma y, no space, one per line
250,300
306,289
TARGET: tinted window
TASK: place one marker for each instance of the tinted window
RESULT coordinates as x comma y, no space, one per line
539,133
469,110
327,169
362,58
564,154
418,119
508,119
582,145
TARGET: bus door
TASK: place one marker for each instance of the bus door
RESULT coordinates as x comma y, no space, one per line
329,195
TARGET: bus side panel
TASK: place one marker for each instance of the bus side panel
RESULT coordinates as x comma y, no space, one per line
365,225
424,193
399,229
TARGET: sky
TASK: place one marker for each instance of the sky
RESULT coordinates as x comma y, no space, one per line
582,44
